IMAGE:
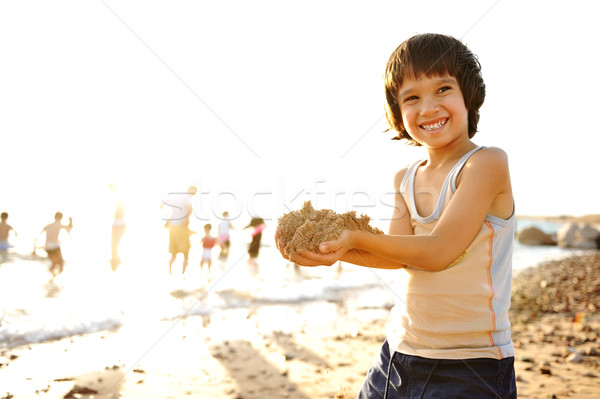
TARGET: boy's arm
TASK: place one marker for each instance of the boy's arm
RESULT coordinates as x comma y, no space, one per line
400,224
363,258
484,188
69,226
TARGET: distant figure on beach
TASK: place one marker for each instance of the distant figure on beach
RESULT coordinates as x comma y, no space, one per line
224,236
258,225
178,225
5,230
118,227
52,244
450,238
208,242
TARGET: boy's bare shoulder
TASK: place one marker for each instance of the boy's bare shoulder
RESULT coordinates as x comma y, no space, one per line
489,164
489,156
399,176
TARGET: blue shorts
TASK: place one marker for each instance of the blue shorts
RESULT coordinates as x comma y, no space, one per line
417,377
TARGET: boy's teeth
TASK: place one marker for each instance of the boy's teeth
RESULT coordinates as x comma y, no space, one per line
434,126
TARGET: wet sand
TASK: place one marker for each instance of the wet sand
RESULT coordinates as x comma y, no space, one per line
312,350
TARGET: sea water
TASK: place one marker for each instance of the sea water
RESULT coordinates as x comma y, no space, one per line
88,296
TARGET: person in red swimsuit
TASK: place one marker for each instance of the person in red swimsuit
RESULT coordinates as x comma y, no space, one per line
208,242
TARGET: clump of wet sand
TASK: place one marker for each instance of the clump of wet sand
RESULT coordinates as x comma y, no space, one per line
307,228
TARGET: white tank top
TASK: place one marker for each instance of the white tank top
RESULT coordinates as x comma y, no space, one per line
460,312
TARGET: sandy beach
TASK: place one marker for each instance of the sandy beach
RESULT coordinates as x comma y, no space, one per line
323,350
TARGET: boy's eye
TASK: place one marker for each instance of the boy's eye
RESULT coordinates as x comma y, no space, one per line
410,98
443,89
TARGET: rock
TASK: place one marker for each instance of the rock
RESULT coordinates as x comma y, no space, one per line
588,233
521,379
77,391
341,394
576,357
565,236
580,236
545,370
534,236
592,352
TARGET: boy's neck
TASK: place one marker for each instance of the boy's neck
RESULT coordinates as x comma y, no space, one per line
440,157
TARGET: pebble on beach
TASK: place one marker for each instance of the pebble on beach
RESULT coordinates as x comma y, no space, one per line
566,285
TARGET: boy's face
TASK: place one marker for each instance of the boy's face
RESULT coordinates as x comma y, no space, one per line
433,110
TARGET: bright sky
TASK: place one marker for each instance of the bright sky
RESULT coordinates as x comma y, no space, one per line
265,104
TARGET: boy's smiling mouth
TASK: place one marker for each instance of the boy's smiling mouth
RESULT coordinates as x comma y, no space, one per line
435,125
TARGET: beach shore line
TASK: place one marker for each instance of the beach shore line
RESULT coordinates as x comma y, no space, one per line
310,350
591,219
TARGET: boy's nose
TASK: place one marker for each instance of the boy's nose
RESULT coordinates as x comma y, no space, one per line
429,106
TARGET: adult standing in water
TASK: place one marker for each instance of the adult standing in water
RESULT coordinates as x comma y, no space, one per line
118,227
178,225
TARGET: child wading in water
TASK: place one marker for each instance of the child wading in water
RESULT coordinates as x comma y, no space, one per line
451,234
208,242
5,230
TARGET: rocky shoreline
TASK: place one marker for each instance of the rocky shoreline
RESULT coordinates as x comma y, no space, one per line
579,233
571,285
556,328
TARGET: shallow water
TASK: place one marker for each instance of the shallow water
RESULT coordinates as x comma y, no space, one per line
89,297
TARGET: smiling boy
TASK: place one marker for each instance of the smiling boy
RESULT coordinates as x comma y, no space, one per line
451,236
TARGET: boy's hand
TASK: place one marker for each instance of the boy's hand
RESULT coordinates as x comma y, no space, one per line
330,252
309,258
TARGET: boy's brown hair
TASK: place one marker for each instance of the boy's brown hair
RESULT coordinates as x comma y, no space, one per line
433,55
